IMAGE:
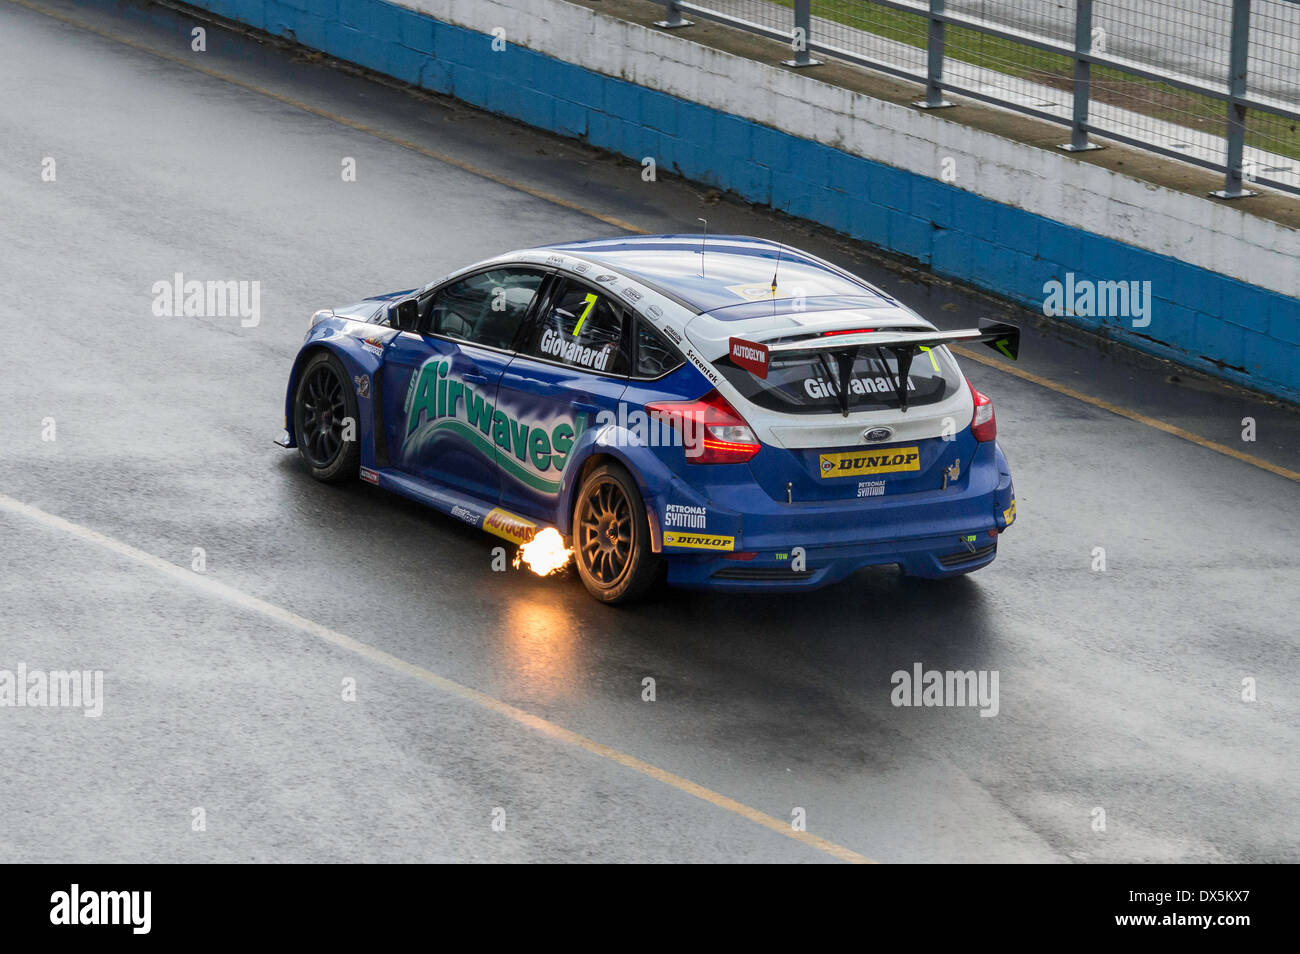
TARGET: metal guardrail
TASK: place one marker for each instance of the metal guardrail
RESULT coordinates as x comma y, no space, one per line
1211,82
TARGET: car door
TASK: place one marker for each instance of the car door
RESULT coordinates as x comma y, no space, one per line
571,364
441,381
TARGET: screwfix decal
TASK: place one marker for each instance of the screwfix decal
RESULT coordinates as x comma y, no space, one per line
464,513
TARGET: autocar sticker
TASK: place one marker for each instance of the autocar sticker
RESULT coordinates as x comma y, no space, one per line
509,526
531,450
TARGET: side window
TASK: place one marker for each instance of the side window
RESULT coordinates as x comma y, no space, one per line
581,328
486,308
654,355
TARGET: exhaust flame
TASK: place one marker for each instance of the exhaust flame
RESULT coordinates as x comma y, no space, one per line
545,553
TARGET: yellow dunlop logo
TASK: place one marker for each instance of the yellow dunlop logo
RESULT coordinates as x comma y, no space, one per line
855,463
698,541
1009,515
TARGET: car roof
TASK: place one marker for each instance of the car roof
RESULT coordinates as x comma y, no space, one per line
715,273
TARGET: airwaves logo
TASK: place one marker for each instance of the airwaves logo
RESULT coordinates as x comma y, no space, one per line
532,453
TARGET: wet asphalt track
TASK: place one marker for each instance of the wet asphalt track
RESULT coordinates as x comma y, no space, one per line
1118,689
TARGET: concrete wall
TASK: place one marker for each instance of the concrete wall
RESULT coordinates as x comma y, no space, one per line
1226,284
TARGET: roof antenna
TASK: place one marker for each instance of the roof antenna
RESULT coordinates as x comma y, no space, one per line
703,239
779,249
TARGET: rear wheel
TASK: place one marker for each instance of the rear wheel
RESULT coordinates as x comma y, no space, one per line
611,537
325,420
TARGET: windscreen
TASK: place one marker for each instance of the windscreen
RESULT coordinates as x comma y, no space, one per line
806,384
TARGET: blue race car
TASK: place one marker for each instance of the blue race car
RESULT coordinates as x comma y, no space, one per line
734,411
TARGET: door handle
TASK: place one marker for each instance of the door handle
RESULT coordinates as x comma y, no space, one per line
474,378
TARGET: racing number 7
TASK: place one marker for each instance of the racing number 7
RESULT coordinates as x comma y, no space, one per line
591,303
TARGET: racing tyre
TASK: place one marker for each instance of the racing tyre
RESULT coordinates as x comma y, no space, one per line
611,537
323,402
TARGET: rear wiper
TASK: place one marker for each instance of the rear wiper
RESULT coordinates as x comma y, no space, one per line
841,388
903,355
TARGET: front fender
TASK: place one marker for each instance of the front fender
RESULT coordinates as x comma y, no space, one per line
358,346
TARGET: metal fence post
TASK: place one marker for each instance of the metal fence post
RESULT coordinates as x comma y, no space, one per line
1082,78
800,41
1237,59
673,17
934,61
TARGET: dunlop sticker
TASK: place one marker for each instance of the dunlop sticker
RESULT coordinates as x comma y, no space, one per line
855,463
698,541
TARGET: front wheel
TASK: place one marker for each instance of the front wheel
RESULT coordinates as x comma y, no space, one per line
612,537
325,420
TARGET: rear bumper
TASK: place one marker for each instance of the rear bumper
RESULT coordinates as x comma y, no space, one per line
933,534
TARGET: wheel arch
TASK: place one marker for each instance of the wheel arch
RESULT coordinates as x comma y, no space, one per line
597,456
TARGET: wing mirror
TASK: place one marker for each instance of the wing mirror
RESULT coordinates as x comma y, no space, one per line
403,315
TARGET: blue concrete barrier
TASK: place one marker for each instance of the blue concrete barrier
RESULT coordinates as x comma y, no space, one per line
1241,332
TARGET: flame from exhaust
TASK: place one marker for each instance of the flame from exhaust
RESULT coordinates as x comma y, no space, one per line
545,553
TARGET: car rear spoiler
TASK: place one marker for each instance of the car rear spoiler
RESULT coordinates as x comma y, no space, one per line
844,348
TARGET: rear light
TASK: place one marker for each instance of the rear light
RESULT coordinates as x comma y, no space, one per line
983,425
847,331
712,432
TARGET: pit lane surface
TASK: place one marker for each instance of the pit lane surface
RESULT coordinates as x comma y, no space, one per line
484,695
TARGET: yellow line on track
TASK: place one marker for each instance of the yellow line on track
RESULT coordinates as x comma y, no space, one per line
222,591
1132,415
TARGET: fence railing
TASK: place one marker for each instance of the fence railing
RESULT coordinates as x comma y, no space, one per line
1211,82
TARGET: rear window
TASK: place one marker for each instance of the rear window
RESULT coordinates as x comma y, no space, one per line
801,384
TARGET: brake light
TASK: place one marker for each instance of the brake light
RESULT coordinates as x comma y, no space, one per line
847,331
983,425
712,431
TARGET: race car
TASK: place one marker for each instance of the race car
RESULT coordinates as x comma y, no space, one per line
727,411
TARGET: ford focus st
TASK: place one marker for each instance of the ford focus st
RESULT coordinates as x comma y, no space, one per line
730,411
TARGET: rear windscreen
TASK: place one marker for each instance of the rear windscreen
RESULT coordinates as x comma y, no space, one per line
802,384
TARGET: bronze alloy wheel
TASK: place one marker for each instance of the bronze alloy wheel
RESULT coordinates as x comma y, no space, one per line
605,530
612,536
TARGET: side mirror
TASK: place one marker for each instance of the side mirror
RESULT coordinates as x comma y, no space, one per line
403,315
